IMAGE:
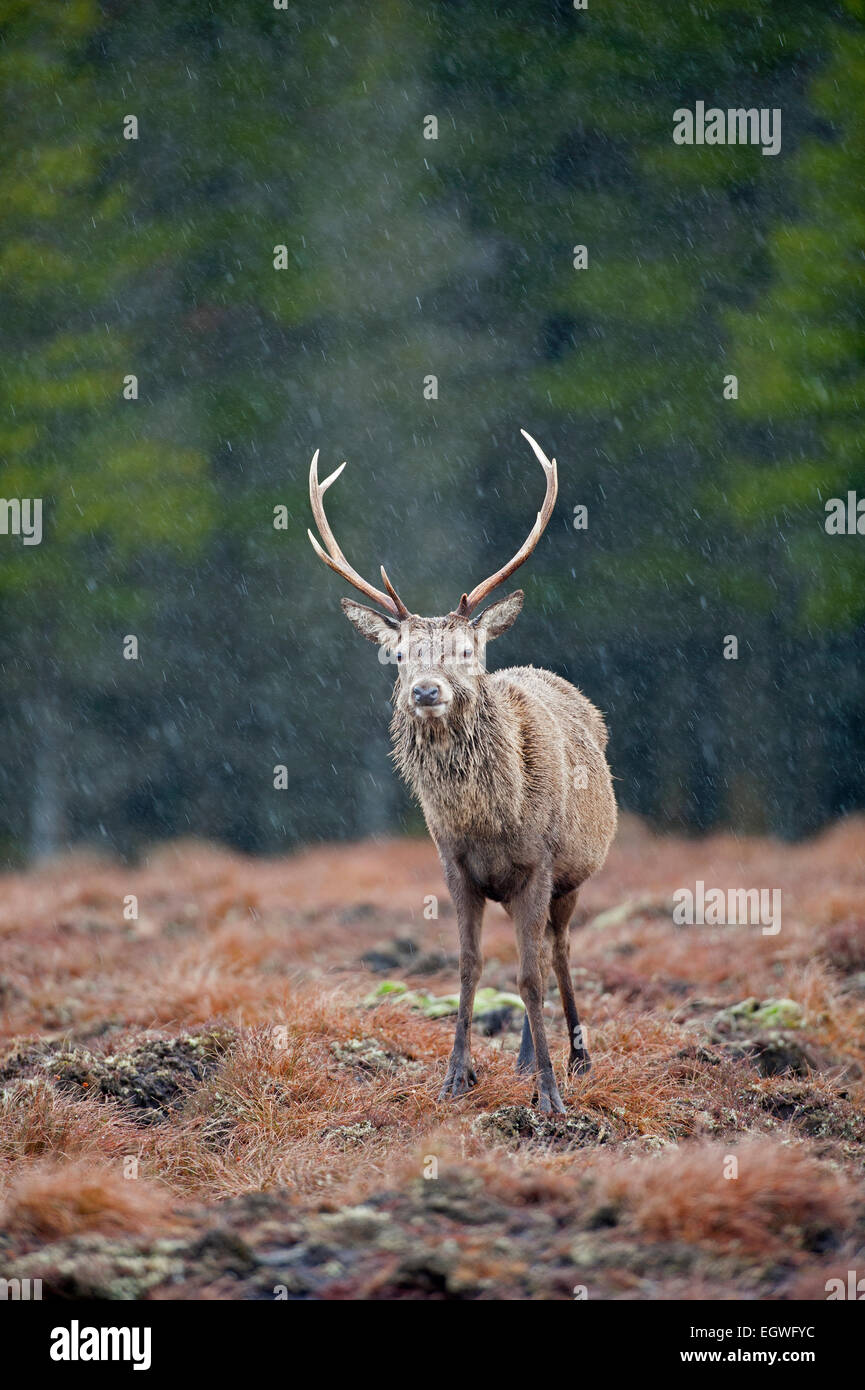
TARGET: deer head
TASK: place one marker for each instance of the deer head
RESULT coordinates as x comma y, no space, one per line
440,661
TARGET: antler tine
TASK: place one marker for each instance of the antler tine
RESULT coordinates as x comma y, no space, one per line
334,558
402,611
469,602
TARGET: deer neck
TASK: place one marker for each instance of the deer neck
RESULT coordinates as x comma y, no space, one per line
458,768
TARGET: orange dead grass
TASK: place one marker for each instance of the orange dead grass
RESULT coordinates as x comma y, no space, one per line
330,1102
52,1200
775,1198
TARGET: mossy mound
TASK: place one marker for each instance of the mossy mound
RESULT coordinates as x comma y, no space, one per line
516,1124
150,1076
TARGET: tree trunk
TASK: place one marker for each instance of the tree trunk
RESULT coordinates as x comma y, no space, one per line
47,810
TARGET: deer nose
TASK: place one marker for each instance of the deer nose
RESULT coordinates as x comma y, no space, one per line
424,694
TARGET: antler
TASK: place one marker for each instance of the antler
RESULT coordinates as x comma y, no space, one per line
469,602
390,601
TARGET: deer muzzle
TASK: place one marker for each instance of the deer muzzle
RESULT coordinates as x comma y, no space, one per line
430,697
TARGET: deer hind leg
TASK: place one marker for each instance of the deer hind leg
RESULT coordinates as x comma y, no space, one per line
557,947
561,912
529,910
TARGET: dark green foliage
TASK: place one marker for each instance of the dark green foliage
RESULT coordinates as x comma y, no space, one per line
303,127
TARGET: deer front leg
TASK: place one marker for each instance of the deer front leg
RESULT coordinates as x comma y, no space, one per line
469,904
526,1063
530,908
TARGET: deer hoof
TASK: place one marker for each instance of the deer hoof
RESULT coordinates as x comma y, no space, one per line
458,1082
579,1064
550,1102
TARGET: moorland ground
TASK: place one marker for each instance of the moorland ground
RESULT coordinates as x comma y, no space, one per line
235,1092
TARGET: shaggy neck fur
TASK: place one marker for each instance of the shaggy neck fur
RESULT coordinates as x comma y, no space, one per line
463,769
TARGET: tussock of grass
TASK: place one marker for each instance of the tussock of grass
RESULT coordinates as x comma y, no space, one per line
775,1199
48,1201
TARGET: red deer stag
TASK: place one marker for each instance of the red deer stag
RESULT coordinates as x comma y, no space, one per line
510,771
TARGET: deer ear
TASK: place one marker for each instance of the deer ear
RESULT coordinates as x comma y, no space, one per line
500,615
375,627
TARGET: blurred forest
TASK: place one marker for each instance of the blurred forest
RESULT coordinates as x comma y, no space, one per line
304,127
